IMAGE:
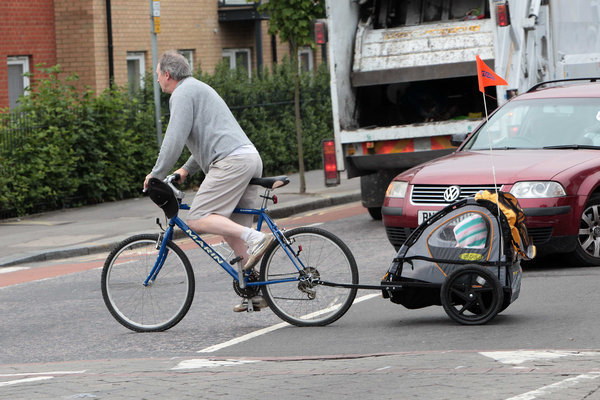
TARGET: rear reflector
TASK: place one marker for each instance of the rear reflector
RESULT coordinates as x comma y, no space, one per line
332,176
502,15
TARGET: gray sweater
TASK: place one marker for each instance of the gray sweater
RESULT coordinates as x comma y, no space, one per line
201,120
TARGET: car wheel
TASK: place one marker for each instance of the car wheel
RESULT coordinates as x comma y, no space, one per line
587,251
375,212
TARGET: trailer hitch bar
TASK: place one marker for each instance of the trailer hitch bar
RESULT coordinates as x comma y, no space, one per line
383,286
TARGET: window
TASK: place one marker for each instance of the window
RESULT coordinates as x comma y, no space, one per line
17,83
136,68
238,58
305,59
235,3
189,56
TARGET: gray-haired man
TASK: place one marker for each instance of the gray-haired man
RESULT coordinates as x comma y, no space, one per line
201,120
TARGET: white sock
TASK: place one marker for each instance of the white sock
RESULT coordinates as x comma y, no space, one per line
246,234
251,235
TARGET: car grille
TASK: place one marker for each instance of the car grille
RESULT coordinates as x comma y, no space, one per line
539,235
397,236
429,194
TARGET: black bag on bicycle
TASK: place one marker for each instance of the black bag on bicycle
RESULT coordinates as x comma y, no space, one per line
162,195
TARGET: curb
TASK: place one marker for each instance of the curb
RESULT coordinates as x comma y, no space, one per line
280,212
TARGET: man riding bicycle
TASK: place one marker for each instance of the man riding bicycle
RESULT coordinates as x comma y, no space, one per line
201,120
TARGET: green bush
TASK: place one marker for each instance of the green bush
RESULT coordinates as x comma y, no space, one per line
83,148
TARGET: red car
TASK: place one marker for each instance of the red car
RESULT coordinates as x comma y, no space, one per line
544,146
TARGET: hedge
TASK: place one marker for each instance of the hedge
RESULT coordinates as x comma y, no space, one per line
82,148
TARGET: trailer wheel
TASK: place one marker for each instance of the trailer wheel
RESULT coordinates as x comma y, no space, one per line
472,295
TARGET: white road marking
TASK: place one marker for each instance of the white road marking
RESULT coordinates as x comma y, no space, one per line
243,338
6,270
546,391
272,328
34,378
204,363
521,356
42,373
26,380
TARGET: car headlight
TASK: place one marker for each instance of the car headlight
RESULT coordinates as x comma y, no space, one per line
537,190
397,189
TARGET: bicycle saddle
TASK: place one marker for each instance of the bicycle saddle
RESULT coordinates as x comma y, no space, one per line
162,195
271,182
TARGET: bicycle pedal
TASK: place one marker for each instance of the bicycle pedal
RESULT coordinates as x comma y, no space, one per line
236,260
244,307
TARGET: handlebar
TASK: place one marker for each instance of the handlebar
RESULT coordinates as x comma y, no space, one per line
169,181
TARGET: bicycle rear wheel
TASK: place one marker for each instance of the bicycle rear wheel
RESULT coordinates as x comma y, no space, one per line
324,256
161,304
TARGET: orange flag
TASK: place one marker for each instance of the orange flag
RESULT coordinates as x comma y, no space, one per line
487,77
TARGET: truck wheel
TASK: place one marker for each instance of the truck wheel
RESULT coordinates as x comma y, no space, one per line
375,213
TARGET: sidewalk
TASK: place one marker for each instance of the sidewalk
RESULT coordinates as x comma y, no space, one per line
97,228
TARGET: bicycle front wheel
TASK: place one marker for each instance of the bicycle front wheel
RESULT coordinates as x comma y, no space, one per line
320,255
154,307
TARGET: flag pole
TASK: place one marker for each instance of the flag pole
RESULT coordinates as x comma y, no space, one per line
487,77
490,144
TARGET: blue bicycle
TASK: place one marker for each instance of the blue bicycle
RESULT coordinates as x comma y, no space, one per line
148,282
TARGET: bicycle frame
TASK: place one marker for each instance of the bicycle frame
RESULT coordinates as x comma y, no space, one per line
262,218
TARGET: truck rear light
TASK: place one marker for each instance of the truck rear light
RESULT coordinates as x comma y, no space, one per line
320,32
332,176
502,15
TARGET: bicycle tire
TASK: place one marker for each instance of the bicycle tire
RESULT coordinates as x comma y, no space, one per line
158,306
327,258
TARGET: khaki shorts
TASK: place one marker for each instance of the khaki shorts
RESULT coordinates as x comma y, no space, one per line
225,187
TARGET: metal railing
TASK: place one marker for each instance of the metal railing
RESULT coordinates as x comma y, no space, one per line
14,127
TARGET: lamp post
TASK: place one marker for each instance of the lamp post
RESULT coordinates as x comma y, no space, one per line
154,30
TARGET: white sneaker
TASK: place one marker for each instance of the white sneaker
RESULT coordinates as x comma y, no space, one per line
257,249
258,303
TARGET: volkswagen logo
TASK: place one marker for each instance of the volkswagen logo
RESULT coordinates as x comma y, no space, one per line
451,194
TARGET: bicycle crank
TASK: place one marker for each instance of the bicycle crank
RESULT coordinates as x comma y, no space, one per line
249,291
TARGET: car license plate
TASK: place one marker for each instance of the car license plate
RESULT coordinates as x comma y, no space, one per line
424,215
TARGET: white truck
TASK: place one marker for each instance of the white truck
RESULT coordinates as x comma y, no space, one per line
404,77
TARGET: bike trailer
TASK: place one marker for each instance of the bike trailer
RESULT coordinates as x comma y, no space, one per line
463,258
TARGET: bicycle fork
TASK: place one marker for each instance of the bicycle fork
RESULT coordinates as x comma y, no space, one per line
163,251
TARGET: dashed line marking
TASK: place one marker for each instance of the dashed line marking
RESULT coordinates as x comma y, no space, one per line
521,356
26,380
6,270
204,363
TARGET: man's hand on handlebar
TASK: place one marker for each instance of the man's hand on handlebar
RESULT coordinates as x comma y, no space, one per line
183,175
146,182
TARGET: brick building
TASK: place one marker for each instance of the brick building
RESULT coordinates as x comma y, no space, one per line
81,34
27,38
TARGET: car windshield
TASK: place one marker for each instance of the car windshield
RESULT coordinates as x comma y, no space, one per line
541,123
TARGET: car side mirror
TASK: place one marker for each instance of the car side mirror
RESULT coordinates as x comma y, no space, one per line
457,139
